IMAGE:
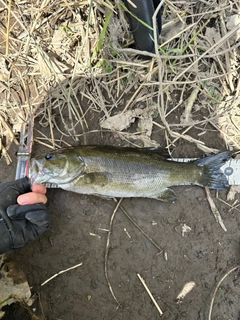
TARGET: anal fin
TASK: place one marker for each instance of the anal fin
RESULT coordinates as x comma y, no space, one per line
166,195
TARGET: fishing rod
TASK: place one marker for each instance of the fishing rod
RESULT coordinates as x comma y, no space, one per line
140,14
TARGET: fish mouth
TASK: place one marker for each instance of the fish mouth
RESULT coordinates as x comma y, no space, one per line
36,173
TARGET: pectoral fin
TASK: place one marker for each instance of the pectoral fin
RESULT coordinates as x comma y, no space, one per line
167,195
95,178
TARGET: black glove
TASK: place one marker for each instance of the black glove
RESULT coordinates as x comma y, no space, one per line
19,224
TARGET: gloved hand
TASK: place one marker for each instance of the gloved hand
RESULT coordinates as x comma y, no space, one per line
20,224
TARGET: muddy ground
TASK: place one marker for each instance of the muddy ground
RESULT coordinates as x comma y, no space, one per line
79,234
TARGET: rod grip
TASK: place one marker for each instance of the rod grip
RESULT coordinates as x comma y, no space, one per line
143,36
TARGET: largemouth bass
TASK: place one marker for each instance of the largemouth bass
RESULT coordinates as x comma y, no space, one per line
125,172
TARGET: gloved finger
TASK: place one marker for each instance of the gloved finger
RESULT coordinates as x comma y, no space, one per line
39,188
23,185
31,198
40,218
11,190
17,212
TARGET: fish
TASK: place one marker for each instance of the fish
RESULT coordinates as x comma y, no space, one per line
123,172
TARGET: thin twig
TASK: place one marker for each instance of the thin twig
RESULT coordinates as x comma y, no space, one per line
40,304
60,272
214,209
186,116
150,294
217,287
107,251
140,229
8,27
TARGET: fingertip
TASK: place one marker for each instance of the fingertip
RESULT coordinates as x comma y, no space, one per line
39,188
31,198
23,199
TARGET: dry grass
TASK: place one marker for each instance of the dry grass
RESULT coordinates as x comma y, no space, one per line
64,61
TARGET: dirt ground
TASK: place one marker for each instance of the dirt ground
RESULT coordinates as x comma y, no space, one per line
80,224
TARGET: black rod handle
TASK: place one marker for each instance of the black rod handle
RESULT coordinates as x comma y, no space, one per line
144,10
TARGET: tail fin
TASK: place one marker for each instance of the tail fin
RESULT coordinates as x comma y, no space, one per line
212,175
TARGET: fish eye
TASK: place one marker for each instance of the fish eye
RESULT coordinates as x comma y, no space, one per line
49,156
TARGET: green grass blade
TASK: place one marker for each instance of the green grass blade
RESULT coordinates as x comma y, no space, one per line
133,15
101,38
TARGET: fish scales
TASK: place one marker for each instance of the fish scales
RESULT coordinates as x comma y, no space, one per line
125,172
133,173
124,175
